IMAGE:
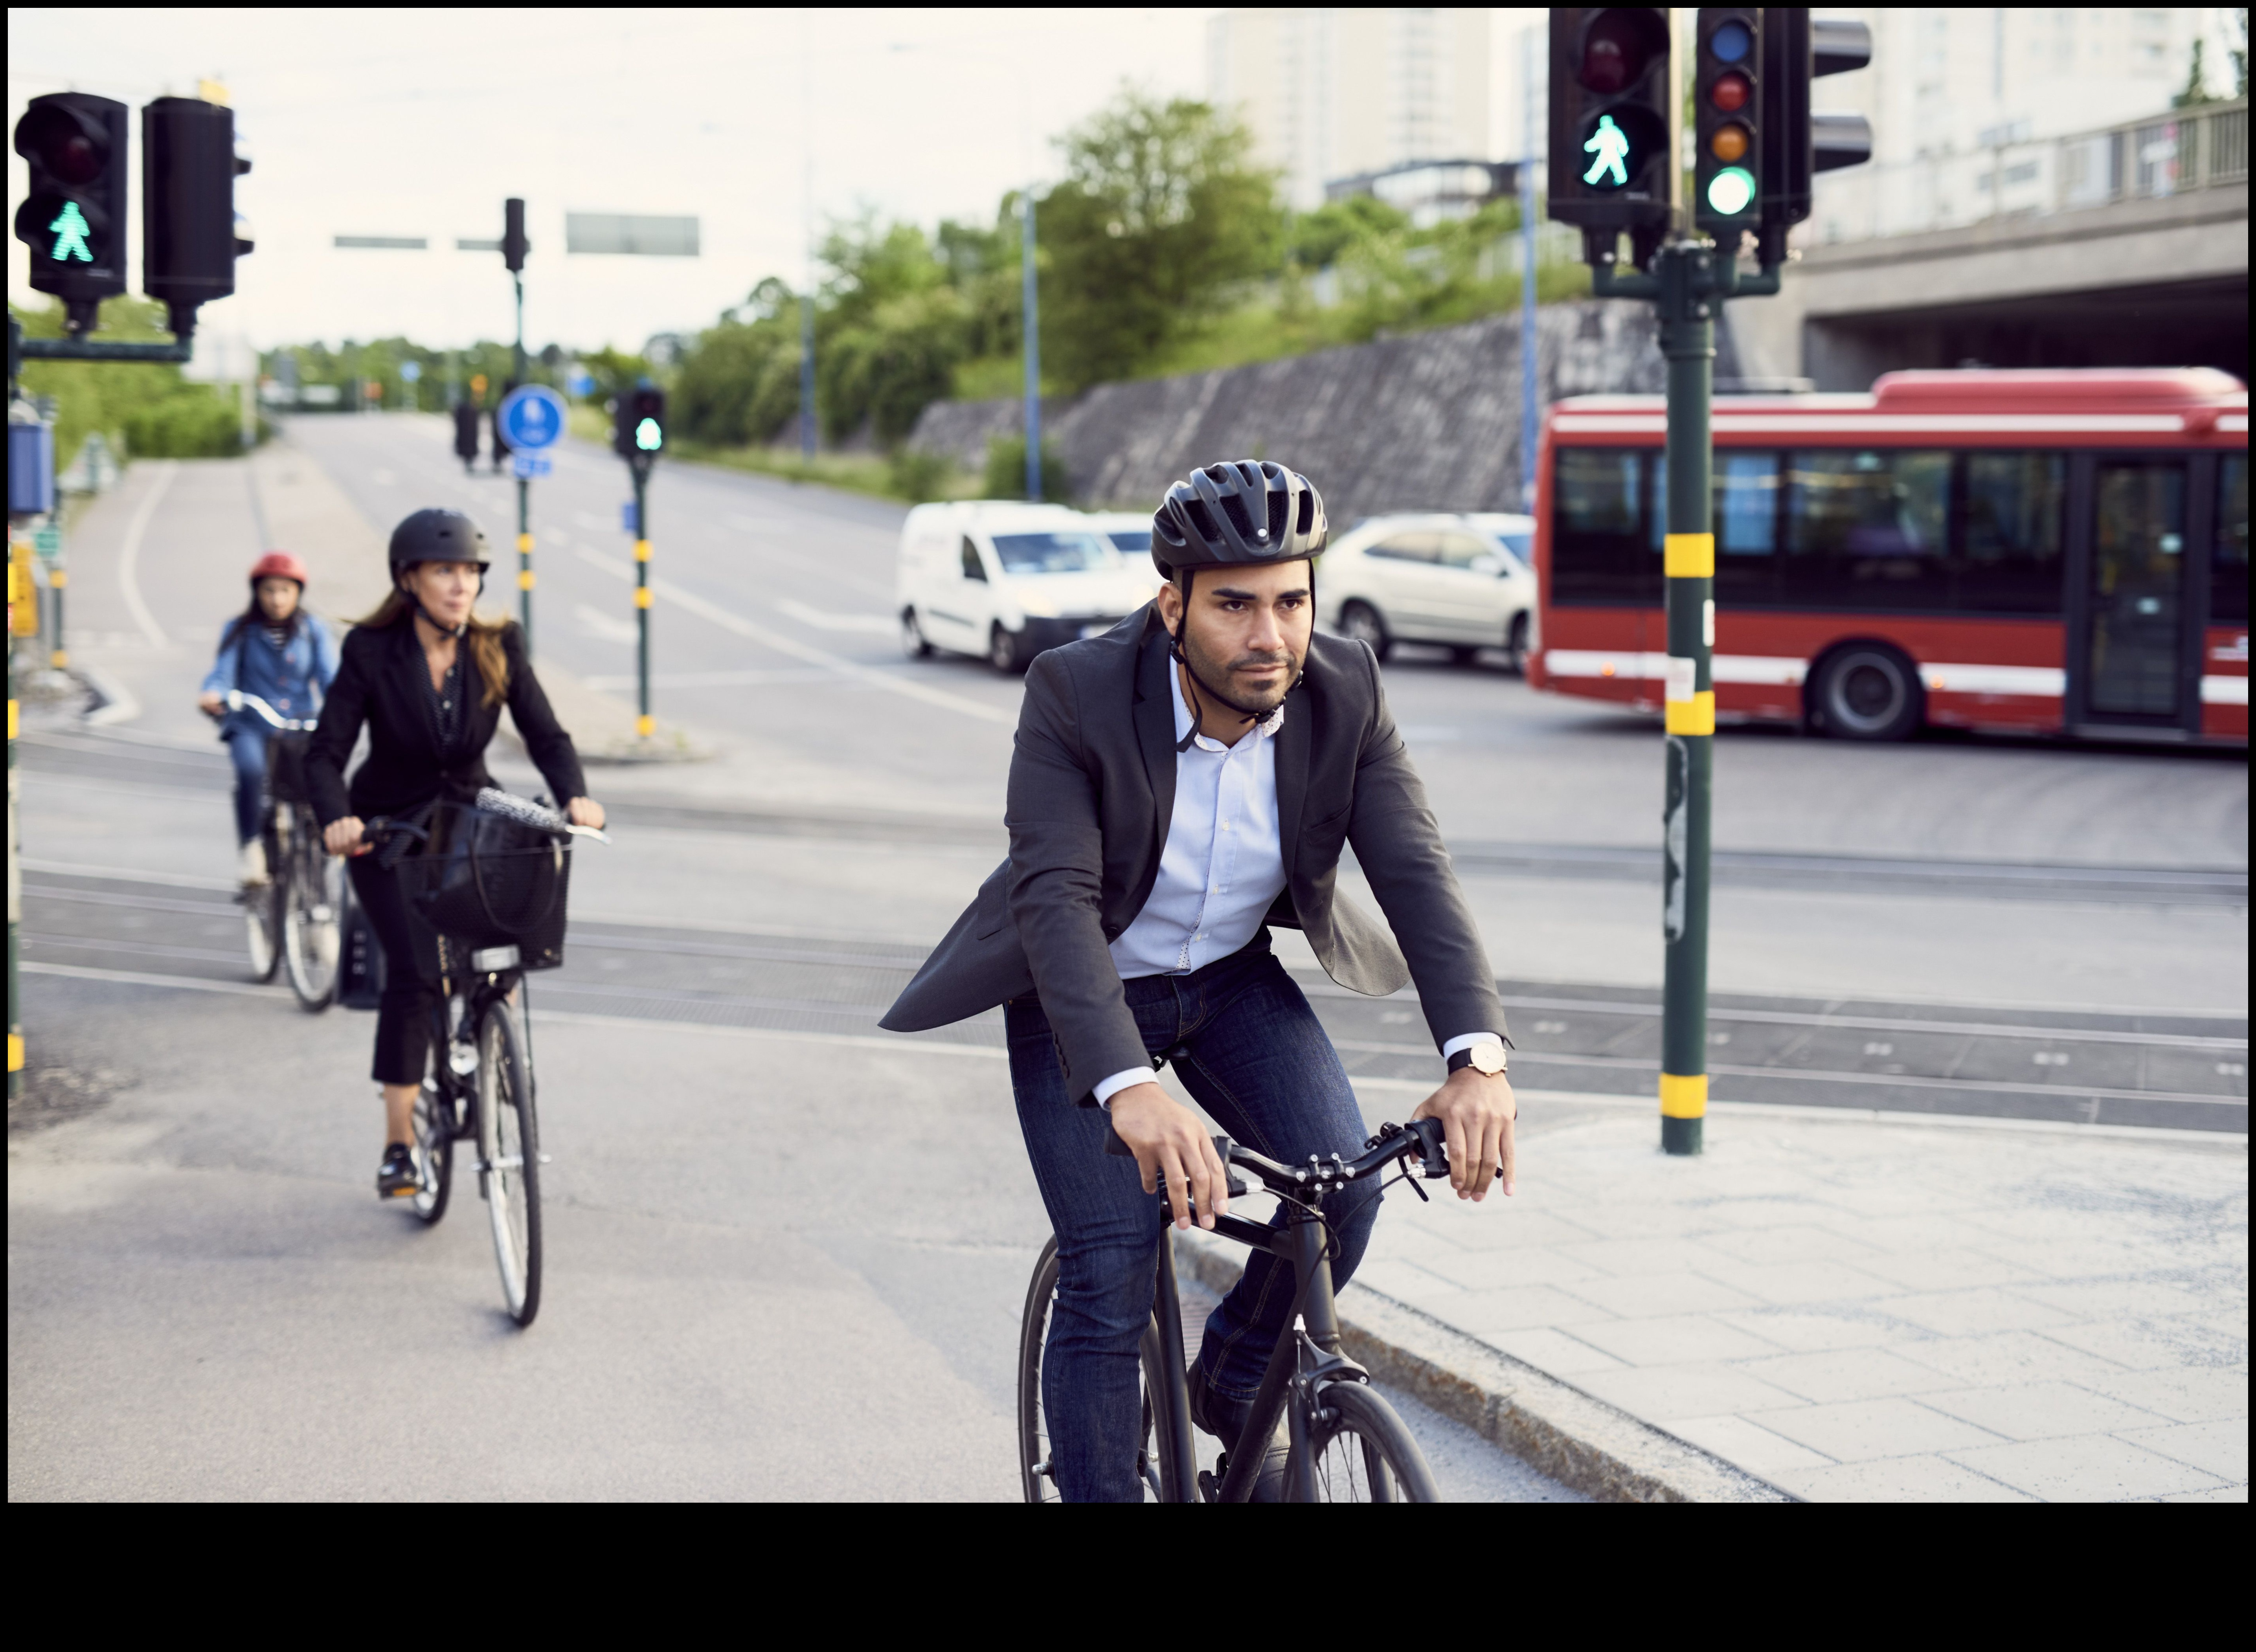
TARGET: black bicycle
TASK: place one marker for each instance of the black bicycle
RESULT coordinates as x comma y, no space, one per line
490,883
1346,1444
295,919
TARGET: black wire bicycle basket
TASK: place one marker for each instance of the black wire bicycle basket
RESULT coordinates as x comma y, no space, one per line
484,879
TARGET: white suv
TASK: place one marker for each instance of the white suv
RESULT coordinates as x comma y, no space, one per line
1464,581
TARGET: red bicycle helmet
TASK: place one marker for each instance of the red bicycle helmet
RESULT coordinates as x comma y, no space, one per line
279,565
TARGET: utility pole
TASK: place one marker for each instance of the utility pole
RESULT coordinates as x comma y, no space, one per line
639,436
1530,366
1033,341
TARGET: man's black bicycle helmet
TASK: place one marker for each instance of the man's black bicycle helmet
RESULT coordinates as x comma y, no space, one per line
437,535
1245,511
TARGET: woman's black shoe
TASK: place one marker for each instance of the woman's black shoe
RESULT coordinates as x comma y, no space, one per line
397,1176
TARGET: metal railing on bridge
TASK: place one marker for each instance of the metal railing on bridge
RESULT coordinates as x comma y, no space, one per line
2011,175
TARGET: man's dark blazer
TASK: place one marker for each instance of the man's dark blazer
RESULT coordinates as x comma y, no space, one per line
382,680
1092,793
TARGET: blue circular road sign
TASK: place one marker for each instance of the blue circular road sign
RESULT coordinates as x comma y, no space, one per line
533,418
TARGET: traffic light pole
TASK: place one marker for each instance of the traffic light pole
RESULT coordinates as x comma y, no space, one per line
644,722
1689,280
524,494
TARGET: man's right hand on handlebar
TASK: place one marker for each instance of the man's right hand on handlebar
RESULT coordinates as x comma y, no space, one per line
342,837
1171,1144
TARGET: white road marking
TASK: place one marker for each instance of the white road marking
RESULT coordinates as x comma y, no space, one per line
608,627
129,554
871,624
138,978
689,602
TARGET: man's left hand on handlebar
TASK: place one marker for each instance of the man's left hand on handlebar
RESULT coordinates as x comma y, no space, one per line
1477,1111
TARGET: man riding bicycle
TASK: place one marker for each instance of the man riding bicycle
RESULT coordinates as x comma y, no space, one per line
1179,785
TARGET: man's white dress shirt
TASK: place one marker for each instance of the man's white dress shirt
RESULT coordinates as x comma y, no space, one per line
1223,866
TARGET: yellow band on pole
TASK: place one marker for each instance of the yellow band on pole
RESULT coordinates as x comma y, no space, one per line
646,725
1689,556
1692,716
525,544
641,550
525,580
1682,1098
60,659
12,720
15,1053
642,596
57,579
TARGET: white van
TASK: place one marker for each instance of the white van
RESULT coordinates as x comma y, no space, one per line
1005,580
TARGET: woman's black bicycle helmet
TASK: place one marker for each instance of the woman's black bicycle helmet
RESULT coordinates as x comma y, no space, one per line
437,535
1245,511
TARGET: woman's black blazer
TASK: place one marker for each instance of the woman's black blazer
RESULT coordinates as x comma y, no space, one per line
381,681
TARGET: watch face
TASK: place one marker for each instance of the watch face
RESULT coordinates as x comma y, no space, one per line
1487,1058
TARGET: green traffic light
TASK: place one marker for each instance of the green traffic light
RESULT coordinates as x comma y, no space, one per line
71,229
1731,191
648,437
1610,145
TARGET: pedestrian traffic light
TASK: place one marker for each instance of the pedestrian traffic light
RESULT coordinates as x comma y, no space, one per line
514,246
190,235
73,217
638,424
1797,142
1609,122
1727,158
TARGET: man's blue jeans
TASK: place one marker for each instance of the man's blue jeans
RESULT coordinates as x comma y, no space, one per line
1245,1043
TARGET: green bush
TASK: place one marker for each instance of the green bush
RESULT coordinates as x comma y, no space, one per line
918,475
191,423
1006,470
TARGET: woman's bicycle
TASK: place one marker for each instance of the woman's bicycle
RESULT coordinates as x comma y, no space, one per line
296,918
1346,1444
490,881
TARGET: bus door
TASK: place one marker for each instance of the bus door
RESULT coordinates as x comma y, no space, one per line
2133,658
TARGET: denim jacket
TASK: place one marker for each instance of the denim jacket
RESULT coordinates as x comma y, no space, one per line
293,678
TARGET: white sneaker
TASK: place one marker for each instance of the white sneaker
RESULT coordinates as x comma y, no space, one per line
251,868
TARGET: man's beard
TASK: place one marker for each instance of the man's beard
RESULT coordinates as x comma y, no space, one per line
1205,670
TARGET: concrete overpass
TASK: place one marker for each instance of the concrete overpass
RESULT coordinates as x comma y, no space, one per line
2142,280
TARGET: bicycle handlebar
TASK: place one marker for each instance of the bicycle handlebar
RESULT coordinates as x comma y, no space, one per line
1421,1139
238,700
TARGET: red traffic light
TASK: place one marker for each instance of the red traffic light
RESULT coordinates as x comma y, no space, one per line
1730,93
1620,45
67,146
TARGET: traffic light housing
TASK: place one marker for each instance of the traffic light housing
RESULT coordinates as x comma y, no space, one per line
1797,142
190,237
514,246
1610,85
638,424
1727,155
72,218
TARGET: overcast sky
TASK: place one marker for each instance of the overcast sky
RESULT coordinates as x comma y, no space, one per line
419,123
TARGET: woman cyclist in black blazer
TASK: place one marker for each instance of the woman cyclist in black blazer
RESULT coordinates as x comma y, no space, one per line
429,679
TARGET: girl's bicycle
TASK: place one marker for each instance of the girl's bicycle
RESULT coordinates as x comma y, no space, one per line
491,881
1346,1444
295,919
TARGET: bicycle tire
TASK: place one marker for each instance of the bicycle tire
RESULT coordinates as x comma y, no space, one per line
261,914
434,1151
1037,1481
1364,1452
509,1160
313,919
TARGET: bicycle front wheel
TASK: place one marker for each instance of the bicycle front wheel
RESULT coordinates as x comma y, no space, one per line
509,1142
1155,1465
313,919
262,920
1365,1454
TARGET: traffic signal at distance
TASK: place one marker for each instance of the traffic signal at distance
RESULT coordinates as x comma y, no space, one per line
638,423
73,217
1797,142
189,232
514,246
1610,85
1727,110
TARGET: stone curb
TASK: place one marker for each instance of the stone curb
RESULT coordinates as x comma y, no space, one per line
1559,1430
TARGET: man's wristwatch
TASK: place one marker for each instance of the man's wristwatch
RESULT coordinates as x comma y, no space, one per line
1484,1057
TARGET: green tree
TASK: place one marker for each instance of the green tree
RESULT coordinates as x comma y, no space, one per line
1162,219
1319,237
144,410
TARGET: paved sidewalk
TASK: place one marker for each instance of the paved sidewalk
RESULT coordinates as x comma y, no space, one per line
1855,1308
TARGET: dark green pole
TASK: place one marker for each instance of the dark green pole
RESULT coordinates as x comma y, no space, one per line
644,722
524,494
1687,343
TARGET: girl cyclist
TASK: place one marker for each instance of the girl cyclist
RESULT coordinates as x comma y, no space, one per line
276,650
429,679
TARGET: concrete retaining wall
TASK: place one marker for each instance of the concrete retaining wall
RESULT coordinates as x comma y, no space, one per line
1429,421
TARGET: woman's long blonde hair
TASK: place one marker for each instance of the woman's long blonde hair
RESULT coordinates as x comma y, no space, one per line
483,637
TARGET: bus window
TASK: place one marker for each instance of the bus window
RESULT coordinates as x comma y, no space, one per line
2228,562
1867,530
1597,554
2009,533
1747,530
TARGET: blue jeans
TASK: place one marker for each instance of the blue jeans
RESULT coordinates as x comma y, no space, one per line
1245,1043
248,747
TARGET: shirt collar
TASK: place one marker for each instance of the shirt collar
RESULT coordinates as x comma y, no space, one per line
1268,726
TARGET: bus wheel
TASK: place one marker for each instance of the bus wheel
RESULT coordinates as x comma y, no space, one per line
1868,691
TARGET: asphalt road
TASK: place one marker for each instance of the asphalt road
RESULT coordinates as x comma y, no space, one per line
787,1251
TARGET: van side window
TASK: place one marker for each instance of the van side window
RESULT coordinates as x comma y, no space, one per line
972,568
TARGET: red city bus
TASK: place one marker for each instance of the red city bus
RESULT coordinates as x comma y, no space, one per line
2057,552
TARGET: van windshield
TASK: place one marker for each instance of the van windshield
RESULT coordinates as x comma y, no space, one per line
1069,553
1133,541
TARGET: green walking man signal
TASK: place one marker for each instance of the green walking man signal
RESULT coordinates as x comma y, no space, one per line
648,438
1611,145
70,232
